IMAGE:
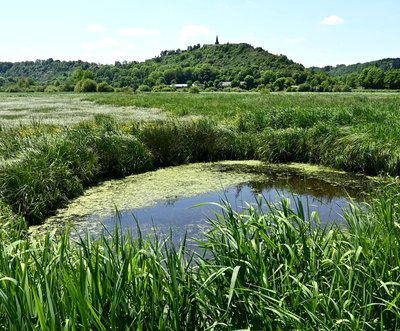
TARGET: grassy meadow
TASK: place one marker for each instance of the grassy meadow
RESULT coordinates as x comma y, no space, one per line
259,271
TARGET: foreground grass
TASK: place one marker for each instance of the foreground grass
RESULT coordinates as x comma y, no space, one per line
274,270
258,271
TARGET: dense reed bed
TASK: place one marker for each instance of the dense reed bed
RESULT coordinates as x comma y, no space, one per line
356,133
258,270
273,270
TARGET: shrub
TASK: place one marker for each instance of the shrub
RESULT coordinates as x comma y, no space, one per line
104,87
194,89
162,88
51,89
86,85
305,87
144,88
13,89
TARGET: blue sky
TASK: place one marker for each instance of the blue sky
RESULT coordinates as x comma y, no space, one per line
311,32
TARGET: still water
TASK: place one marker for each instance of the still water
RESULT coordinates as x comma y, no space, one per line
188,215
167,199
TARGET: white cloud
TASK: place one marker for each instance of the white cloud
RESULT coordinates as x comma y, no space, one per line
296,40
95,28
190,31
139,32
332,20
104,43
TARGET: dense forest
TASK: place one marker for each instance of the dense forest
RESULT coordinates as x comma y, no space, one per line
229,67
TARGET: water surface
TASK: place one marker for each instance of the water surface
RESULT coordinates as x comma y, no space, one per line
164,200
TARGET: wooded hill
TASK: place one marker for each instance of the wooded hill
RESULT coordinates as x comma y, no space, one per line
342,69
208,67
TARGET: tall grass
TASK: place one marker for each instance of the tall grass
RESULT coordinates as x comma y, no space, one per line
259,270
287,272
58,167
353,132
173,142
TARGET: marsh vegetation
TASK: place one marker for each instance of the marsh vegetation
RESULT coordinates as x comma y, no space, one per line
260,269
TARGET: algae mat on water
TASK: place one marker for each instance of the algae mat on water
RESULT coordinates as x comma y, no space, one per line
148,189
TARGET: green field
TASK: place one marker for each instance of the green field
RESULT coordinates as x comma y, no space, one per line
260,271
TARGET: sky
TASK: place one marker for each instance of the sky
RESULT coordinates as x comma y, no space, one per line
310,32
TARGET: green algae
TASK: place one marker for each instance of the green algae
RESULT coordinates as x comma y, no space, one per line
168,184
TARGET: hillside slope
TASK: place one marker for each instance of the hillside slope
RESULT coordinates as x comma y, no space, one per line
207,63
342,69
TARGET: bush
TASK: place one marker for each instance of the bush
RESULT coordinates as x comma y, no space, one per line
13,89
265,90
305,87
194,89
104,87
51,89
86,85
125,89
162,88
143,88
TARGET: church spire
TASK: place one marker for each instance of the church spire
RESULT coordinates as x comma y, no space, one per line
216,41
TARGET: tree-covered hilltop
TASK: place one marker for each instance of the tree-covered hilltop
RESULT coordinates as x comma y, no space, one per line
208,67
230,60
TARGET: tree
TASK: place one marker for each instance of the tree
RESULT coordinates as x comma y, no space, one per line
282,83
267,76
372,77
352,80
81,74
299,77
392,79
279,84
250,82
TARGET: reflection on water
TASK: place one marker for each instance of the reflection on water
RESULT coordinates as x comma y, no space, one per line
189,215
164,199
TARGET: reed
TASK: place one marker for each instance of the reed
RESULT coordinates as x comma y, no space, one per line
258,270
58,167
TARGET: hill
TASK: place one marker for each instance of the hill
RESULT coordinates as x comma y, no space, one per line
210,67
43,70
342,69
207,65
227,57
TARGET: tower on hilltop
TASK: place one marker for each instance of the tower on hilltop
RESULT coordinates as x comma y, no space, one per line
216,41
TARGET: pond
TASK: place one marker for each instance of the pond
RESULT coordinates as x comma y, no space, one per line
168,199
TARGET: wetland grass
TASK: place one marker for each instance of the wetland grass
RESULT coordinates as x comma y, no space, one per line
65,160
59,167
267,271
272,270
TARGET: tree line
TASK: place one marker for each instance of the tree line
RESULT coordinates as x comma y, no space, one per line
230,67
